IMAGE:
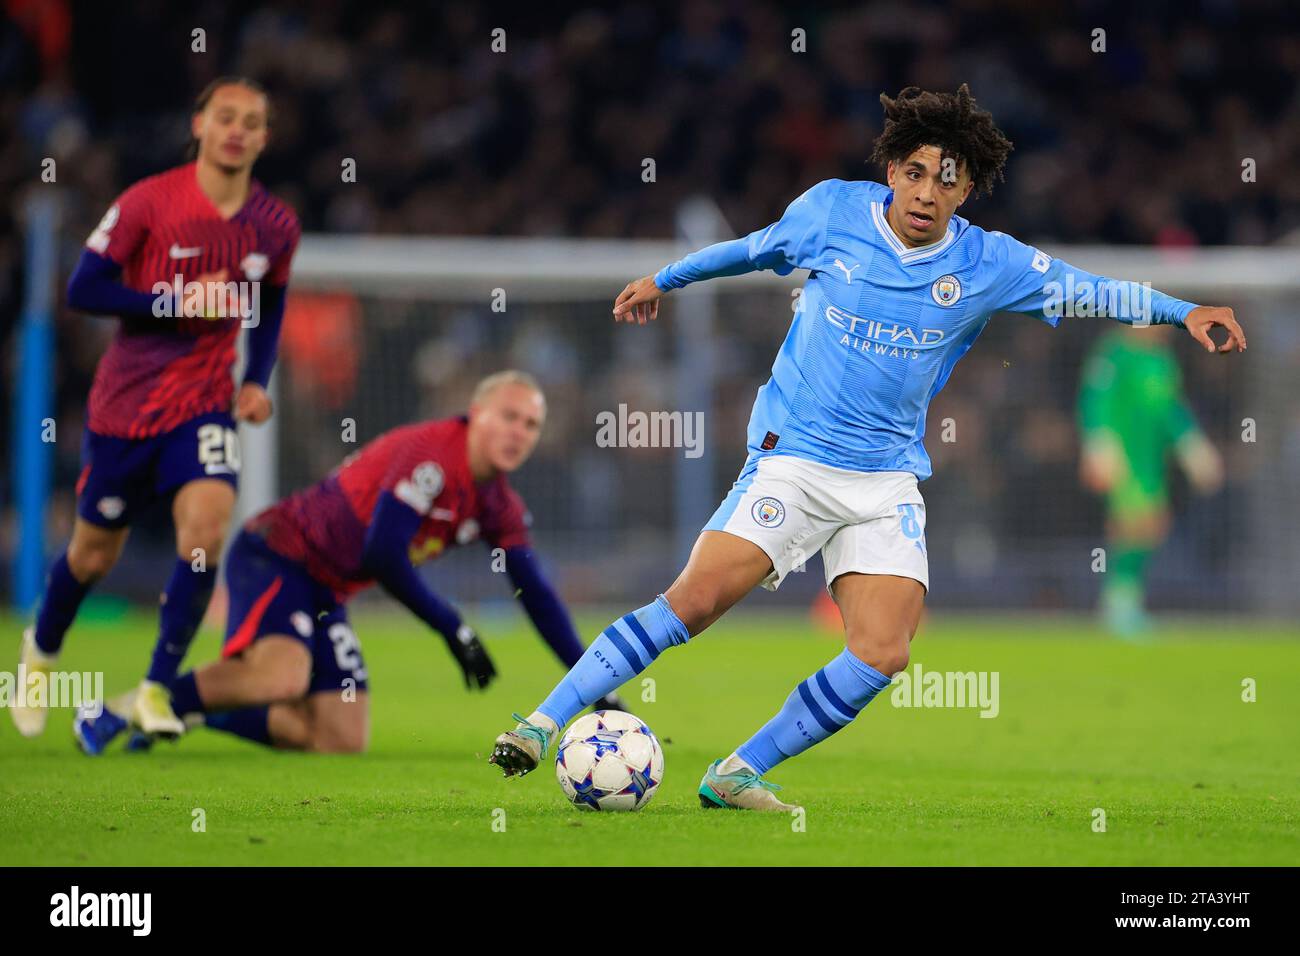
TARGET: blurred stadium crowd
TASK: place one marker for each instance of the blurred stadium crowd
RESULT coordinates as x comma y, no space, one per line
1143,143
1140,144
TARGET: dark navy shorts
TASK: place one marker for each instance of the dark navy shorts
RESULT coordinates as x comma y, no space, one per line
120,477
270,594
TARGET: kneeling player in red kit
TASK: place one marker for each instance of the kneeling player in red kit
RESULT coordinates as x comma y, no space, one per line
291,673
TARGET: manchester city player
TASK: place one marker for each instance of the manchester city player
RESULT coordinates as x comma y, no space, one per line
899,288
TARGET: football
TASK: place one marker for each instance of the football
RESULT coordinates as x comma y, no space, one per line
609,760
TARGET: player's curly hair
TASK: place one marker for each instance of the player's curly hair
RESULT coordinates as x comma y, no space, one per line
201,102
950,121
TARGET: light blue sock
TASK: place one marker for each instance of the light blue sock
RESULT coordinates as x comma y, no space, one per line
818,707
623,650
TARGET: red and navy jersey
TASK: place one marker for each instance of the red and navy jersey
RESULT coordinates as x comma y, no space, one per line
426,466
159,373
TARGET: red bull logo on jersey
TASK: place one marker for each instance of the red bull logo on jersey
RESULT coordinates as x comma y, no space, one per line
876,336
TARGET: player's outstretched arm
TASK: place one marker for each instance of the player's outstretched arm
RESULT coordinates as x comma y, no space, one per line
792,242
639,300
386,558
1033,283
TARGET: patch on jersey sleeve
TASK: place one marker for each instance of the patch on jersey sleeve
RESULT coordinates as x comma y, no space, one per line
420,490
255,266
1040,262
98,240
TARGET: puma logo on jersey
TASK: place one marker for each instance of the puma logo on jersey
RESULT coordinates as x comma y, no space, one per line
848,273
176,252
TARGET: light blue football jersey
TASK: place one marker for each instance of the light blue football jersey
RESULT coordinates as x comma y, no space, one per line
879,326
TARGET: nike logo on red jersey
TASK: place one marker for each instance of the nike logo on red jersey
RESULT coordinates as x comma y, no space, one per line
176,252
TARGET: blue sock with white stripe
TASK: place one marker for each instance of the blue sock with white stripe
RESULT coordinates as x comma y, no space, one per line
818,707
623,650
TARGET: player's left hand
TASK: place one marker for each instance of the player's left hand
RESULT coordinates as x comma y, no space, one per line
1102,464
252,405
1204,317
638,302
472,657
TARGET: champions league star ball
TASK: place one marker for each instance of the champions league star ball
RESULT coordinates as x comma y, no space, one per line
609,760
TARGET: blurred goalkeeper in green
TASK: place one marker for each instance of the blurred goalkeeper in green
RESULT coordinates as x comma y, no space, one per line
1133,417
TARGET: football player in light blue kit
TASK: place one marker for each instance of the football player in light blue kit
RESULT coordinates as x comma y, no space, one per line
899,288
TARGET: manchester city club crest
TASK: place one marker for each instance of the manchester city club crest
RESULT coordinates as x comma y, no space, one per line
768,512
946,290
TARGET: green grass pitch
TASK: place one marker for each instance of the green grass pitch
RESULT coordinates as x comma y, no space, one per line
1157,736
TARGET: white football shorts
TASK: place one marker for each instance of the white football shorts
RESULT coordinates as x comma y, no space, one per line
865,522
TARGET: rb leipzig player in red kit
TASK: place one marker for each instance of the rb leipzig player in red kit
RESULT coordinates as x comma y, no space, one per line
291,673
183,259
